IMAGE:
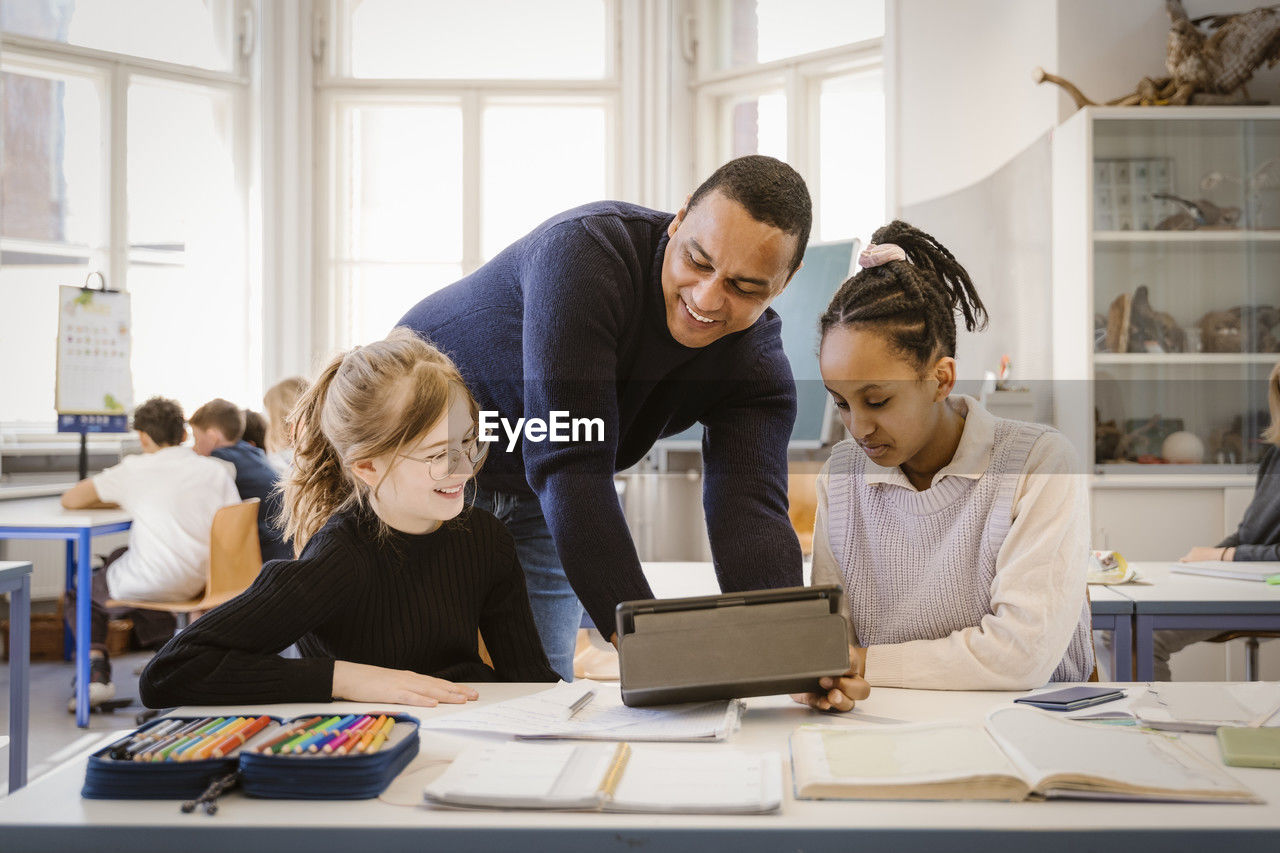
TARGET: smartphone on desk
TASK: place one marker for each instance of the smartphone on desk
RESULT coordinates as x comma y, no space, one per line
1072,698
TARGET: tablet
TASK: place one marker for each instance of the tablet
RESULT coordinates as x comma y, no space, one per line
756,643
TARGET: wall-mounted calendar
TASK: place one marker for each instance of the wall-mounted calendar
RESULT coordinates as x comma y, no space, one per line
94,386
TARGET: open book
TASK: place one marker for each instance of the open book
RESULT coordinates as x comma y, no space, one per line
550,714
1021,752
608,777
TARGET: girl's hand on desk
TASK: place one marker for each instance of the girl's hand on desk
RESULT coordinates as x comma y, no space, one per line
359,682
843,691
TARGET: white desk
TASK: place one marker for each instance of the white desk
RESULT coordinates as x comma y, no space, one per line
1190,602
44,518
49,814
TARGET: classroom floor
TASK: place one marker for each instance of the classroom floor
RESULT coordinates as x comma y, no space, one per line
53,732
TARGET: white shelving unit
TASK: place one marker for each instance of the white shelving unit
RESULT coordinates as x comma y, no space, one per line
1156,511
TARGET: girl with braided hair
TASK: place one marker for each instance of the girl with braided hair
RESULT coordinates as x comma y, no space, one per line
960,538
395,574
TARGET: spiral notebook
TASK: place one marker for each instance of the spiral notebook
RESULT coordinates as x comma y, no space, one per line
612,778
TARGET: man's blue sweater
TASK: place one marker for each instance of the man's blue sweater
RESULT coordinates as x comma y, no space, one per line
571,318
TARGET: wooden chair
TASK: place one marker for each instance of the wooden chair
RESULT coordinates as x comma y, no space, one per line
235,558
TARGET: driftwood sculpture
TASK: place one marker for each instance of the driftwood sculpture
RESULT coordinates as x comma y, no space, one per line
1204,67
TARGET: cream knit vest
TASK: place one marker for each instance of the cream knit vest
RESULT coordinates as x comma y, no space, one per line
919,565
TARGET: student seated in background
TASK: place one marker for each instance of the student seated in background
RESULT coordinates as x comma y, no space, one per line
396,574
1257,539
172,495
961,539
279,402
255,431
218,430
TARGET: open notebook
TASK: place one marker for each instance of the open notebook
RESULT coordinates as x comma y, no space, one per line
608,777
548,714
1019,753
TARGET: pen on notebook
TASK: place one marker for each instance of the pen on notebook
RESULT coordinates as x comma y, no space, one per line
578,704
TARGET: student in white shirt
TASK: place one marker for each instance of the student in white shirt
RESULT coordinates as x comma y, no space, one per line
172,495
960,538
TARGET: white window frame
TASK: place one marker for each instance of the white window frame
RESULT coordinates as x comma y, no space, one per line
619,90
799,78
24,55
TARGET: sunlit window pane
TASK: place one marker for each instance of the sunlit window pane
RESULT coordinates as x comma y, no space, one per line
53,178
375,296
851,156
402,191
755,125
189,32
538,160
548,39
755,31
187,246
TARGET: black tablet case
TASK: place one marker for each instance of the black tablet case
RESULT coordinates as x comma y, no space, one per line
729,646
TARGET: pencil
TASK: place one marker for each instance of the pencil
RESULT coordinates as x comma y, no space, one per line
381,737
288,732
211,741
181,734
240,736
208,738
370,734
316,734
314,745
356,734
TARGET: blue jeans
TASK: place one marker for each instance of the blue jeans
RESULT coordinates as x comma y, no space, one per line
556,609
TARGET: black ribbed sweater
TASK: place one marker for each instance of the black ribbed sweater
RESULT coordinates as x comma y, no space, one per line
403,602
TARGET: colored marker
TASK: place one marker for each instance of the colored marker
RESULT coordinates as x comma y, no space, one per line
316,734
382,735
287,733
207,739
211,740
241,736
370,734
356,735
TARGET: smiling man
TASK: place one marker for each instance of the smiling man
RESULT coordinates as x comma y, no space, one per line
650,323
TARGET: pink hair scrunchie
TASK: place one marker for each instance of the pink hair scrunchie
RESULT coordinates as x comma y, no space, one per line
875,255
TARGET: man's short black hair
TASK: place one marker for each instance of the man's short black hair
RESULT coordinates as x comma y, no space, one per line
770,190
162,420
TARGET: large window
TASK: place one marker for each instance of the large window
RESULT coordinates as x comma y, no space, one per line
800,80
440,154
124,131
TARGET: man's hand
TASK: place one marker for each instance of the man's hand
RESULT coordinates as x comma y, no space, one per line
359,682
840,692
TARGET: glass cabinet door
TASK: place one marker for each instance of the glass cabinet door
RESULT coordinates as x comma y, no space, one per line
1186,288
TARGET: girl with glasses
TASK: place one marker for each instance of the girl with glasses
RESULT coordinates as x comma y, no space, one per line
394,575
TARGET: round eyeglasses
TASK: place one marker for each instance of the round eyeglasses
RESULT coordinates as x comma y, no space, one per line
442,465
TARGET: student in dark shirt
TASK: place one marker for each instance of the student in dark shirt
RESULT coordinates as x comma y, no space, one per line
396,580
1257,539
218,429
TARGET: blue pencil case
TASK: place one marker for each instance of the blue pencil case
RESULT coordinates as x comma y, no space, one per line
355,776
113,776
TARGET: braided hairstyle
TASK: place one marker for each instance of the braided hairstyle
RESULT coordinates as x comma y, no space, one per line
913,303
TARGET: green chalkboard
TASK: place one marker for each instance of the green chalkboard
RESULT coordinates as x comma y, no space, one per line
826,266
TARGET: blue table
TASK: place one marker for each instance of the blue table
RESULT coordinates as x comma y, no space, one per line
1171,601
44,518
1113,611
15,579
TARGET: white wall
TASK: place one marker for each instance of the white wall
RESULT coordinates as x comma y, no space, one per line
961,76
962,91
